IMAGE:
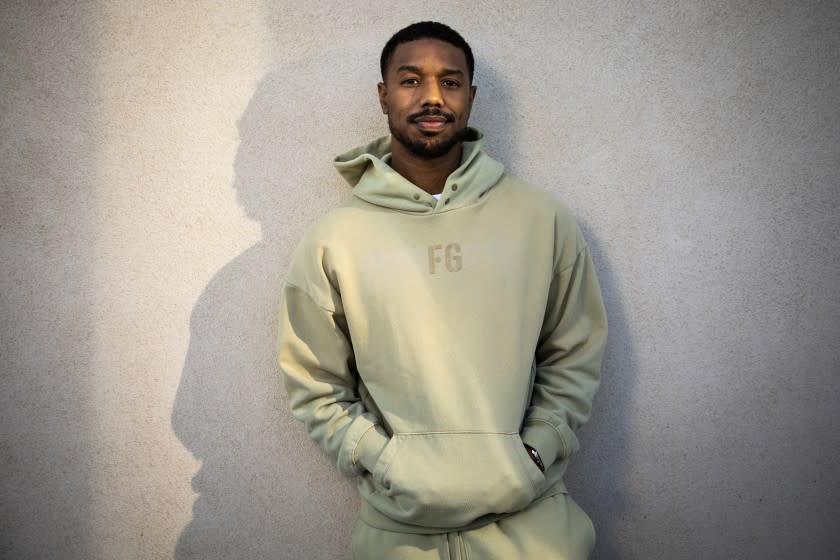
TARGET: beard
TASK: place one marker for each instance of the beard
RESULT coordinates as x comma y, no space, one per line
429,147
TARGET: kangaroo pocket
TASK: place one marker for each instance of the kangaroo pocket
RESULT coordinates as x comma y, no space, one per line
449,479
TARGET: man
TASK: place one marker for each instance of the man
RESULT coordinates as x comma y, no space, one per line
442,332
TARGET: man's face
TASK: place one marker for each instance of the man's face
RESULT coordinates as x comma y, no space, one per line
427,96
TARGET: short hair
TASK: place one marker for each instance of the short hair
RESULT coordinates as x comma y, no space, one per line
425,30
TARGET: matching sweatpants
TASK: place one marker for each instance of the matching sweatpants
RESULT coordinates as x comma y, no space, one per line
553,528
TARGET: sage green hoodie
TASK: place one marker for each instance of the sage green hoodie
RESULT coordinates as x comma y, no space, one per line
423,341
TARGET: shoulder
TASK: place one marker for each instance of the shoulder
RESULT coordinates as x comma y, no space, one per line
546,208
324,240
524,194
335,226
537,201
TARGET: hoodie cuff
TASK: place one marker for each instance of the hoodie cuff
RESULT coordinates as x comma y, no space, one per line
552,444
370,447
362,443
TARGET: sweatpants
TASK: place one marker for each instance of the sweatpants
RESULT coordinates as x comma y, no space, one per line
553,528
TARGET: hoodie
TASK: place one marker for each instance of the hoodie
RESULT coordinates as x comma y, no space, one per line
424,341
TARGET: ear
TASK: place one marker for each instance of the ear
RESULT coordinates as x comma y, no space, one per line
473,91
383,96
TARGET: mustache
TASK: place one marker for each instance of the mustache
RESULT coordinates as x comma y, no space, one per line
431,113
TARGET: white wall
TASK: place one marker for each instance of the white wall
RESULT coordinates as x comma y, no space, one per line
160,160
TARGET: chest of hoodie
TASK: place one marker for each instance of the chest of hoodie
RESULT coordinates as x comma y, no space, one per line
444,310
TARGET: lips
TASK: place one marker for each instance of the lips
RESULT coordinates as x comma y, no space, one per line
432,121
428,123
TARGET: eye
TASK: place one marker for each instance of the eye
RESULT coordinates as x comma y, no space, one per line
450,84
410,82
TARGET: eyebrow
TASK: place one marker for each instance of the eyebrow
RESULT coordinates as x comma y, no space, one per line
416,70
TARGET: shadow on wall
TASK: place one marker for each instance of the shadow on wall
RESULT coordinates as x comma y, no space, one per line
599,476
262,480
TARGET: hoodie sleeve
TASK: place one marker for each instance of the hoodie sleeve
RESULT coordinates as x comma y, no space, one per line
568,355
317,361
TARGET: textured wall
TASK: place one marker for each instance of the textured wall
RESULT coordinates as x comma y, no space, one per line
160,160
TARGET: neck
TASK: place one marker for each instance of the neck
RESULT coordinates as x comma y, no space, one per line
428,174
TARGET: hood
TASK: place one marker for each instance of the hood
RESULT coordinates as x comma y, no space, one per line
367,170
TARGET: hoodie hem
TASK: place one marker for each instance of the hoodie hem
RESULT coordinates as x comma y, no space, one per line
376,519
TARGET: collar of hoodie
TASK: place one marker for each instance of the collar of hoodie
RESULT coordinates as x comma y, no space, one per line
367,170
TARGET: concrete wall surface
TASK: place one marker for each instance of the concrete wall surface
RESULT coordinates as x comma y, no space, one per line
160,160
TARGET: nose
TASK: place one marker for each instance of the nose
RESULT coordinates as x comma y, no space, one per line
431,94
